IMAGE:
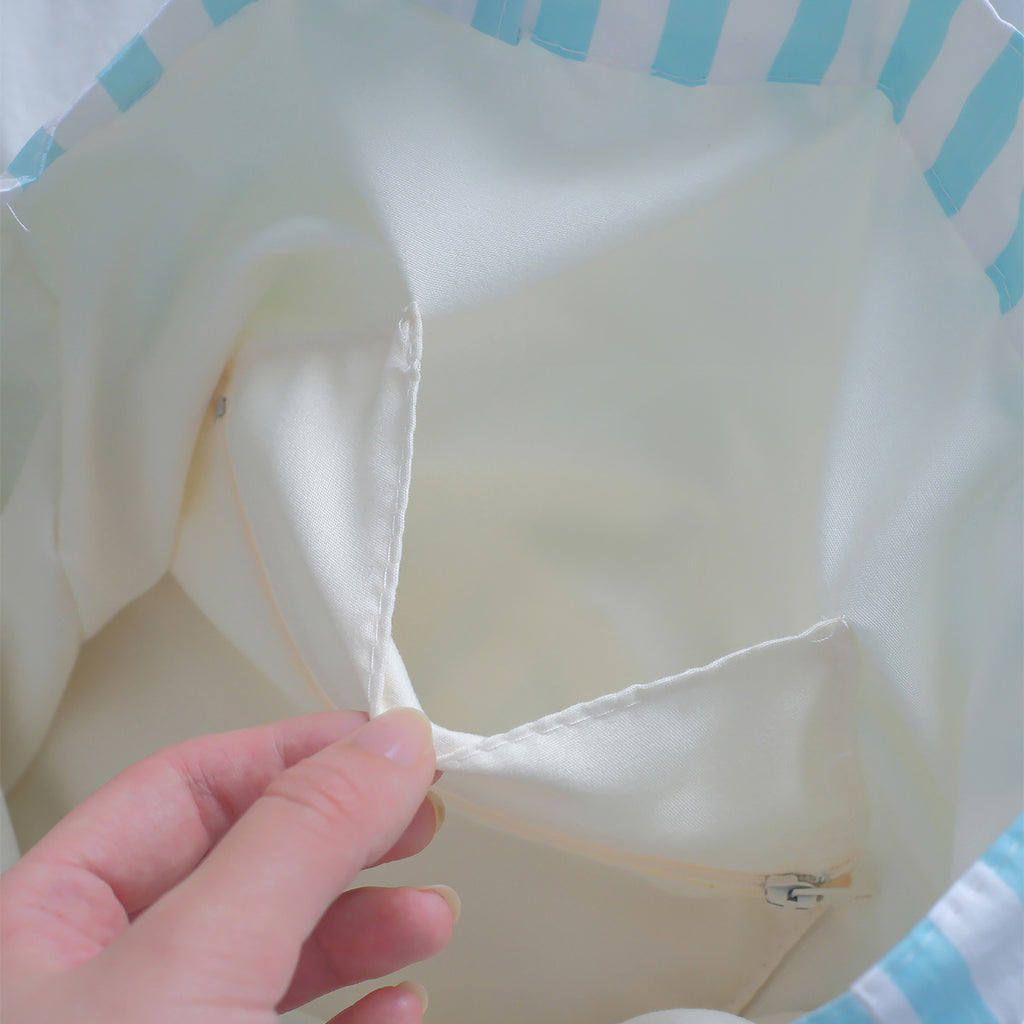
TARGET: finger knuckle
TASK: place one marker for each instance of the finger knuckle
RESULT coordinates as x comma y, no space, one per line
323,798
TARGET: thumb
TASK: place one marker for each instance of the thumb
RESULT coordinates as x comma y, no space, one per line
263,888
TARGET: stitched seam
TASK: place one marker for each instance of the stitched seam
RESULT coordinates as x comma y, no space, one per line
679,79
501,17
529,731
558,47
1003,284
792,80
933,175
296,655
375,687
841,664
996,269
726,880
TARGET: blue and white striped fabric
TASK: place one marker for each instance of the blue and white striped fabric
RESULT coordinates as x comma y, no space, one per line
951,68
963,963
954,74
125,80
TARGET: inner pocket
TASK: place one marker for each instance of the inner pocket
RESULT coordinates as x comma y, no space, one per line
617,468
616,476
722,776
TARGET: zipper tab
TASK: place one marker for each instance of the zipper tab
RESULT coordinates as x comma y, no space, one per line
799,892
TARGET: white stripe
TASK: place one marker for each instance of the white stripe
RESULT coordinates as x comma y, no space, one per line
988,218
976,37
627,33
984,918
1014,320
883,998
93,109
752,35
871,29
530,11
461,9
180,25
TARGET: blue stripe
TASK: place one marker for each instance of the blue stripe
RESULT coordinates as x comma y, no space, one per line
565,26
1006,855
220,10
1007,274
985,123
930,971
847,1009
689,40
499,18
35,156
917,45
131,74
811,43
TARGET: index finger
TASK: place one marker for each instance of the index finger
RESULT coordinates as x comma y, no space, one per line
261,891
149,827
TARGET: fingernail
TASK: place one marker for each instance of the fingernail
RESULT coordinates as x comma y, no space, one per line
439,810
418,991
450,896
401,735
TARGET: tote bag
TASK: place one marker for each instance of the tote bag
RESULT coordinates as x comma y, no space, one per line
703,321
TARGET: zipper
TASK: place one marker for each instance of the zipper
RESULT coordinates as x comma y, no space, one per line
802,892
788,891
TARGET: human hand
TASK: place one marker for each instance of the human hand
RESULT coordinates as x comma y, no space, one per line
206,884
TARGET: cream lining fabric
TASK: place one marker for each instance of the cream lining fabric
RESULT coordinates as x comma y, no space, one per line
700,370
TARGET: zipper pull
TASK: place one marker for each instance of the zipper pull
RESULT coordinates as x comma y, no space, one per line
798,892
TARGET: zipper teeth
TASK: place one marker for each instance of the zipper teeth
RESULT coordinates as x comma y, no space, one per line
742,883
